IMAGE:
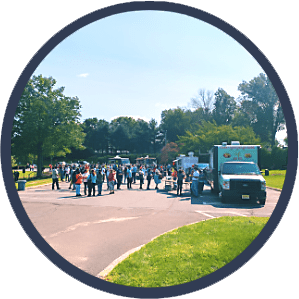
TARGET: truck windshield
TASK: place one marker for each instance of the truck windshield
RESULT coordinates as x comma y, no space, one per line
125,161
240,168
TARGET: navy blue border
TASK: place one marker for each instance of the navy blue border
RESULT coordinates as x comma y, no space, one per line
149,292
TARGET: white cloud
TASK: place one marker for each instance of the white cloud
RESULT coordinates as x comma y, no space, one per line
83,75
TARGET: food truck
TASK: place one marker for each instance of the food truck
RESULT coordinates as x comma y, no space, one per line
117,160
235,173
185,162
146,161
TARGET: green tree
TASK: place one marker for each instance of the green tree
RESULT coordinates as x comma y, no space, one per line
90,129
176,122
141,137
46,122
153,127
224,107
13,162
127,125
210,134
97,134
261,104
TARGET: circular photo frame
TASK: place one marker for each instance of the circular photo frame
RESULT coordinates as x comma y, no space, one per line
149,292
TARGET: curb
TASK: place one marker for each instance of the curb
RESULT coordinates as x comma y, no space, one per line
39,186
276,189
109,268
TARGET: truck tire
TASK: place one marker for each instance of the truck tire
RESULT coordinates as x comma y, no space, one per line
262,201
224,198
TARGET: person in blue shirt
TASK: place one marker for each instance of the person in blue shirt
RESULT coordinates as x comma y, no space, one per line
92,180
129,178
134,170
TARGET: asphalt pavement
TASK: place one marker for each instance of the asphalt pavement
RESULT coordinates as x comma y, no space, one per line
94,232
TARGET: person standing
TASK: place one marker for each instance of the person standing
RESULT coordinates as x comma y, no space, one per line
55,176
119,176
99,181
141,177
157,179
195,178
16,175
134,170
149,177
111,179
129,178
181,176
92,180
61,172
79,179
125,174
67,173
107,177
201,182
85,180
103,172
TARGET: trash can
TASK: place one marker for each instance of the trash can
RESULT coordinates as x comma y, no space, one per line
266,172
21,185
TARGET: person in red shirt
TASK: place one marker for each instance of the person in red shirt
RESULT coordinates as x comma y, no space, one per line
111,179
79,179
174,174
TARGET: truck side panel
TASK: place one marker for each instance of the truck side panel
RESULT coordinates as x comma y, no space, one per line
215,169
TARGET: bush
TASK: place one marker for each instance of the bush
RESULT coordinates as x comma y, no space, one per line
277,158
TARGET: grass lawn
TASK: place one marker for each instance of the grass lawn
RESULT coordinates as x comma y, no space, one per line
187,253
26,175
275,178
32,182
36,182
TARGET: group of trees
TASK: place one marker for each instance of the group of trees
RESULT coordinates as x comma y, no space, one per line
47,123
122,135
258,109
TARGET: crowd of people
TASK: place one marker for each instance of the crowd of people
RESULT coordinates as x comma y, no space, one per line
94,177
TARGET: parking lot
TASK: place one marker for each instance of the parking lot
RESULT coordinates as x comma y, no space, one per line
92,232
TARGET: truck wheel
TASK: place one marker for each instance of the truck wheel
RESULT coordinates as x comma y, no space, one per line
262,202
223,198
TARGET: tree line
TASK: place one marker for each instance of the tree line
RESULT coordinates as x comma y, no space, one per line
47,124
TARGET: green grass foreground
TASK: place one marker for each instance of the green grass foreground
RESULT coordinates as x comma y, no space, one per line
188,253
275,179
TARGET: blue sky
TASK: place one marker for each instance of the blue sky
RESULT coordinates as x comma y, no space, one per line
140,63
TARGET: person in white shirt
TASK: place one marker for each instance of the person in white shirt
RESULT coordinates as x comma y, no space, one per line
195,178
55,176
85,180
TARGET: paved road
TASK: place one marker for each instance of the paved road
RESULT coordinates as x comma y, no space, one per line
91,232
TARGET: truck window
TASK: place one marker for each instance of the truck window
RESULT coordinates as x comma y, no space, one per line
240,168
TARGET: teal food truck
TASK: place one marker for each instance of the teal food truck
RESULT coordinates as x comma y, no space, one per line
235,173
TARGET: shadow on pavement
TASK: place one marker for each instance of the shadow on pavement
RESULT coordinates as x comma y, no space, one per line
207,198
